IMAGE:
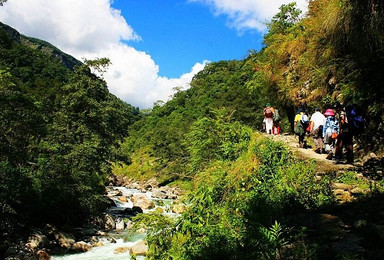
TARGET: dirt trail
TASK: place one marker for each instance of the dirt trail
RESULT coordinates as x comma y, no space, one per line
323,164
354,227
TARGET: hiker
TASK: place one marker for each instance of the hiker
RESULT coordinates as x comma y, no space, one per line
268,118
351,123
276,122
317,123
330,132
301,123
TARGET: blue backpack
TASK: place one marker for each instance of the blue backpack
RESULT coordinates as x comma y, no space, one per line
355,119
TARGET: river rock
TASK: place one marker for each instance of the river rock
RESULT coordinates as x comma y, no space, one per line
65,240
109,222
37,240
160,194
142,201
133,211
120,225
114,193
42,255
140,248
120,250
81,247
122,198
151,184
343,196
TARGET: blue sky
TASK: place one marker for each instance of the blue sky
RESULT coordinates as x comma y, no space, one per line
154,45
177,34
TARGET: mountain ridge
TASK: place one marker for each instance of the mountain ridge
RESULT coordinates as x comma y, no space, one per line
67,60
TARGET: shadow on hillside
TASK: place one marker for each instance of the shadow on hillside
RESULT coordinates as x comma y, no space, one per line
353,230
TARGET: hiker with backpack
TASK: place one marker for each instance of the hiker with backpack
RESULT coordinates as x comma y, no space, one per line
351,124
268,118
300,124
276,122
317,123
330,132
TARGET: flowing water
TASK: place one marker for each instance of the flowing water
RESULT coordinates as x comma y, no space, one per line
119,248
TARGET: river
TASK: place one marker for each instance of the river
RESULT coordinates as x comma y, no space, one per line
118,247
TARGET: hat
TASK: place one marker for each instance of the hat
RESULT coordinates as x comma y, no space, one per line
268,104
329,112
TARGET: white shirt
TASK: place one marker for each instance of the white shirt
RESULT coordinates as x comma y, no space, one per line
318,119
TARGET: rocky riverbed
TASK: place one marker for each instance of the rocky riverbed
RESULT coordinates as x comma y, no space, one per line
108,236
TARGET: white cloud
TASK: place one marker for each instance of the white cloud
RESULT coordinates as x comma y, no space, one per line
249,14
91,29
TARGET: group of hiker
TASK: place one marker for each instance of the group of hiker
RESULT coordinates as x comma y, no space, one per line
332,131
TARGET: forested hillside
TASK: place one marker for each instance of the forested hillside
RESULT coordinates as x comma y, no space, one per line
247,196
58,127
334,56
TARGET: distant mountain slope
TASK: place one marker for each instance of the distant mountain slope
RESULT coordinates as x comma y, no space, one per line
66,59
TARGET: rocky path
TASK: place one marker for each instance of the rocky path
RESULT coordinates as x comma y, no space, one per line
323,164
354,227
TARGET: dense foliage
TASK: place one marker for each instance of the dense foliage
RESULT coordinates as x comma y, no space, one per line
242,209
243,203
58,129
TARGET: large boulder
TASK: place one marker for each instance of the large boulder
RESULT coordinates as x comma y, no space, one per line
64,240
133,211
142,201
37,240
42,255
109,222
158,193
140,248
120,225
81,247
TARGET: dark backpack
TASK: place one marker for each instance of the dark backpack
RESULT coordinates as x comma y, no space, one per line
355,119
276,116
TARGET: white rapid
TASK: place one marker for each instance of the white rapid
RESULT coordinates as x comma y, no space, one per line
122,242
108,251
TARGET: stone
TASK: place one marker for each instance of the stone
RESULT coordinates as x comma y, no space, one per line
42,255
122,198
133,211
37,240
120,225
160,194
65,240
140,248
142,201
342,186
115,193
343,196
81,247
120,250
109,222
